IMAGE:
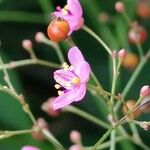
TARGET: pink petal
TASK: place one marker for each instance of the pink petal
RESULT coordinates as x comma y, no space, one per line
75,56
75,7
62,76
76,94
83,71
29,148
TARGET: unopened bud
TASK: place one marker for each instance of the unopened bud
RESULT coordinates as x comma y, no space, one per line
39,37
145,126
75,136
41,124
103,17
27,44
122,54
75,147
29,148
145,91
48,108
119,6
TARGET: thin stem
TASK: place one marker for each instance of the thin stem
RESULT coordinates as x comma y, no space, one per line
6,76
103,138
133,78
88,30
56,48
52,139
86,115
25,62
112,140
140,49
7,134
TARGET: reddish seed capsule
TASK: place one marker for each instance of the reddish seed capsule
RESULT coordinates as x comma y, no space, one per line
58,30
143,9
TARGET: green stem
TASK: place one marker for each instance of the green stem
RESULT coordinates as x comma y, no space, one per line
52,139
133,78
7,134
103,138
140,49
25,62
86,115
18,16
106,144
88,30
112,140
56,48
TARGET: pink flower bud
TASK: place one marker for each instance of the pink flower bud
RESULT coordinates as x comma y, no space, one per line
145,91
27,44
29,148
41,124
39,37
122,54
119,6
75,147
48,108
75,136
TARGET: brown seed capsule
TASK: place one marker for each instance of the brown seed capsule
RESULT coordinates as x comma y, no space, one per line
130,61
58,30
130,104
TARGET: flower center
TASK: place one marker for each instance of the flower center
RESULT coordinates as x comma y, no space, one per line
75,80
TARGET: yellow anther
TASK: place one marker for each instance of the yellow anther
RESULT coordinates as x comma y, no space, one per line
75,80
57,86
66,7
64,12
65,66
60,93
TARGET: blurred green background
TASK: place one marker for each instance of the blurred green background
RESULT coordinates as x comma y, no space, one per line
21,20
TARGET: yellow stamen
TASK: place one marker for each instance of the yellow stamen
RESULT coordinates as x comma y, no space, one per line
64,12
75,80
60,92
57,86
65,66
66,7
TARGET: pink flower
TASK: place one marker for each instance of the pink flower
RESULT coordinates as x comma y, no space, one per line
72,80
72,13
29,148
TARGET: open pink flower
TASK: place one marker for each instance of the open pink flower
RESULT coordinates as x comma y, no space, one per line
29,148
72,80
72,13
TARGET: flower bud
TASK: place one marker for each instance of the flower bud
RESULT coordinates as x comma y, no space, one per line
104,17
145,105
29,148
119,6
39,37
27,44
75,136
130,104
137,34
122,54
145,126
41,124
75,147
130,61
145,91
48,108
